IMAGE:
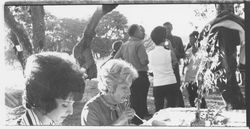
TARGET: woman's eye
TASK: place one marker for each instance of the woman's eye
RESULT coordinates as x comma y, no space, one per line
64,105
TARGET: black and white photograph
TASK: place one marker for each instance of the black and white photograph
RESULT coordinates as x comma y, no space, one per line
133,63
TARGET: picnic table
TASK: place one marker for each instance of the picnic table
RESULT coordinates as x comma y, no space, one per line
185,116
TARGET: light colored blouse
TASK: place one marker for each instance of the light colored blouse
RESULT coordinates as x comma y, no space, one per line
98,112
160,63
193,65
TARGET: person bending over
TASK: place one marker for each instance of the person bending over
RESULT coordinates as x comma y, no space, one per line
53,83
109,107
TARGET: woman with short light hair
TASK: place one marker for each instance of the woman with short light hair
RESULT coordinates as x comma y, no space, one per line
109,106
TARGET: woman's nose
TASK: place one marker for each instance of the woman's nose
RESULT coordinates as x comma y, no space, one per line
70,110
128,91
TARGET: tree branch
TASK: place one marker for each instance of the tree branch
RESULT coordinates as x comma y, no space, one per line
18,29
81,50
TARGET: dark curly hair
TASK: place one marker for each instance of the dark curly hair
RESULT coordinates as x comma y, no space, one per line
194,34
132,29
51,75
158,35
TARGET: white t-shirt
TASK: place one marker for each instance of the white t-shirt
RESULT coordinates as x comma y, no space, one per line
160,63
193,65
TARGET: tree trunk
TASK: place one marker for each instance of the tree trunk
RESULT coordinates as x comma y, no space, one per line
81,50
18,36
38,26
17,48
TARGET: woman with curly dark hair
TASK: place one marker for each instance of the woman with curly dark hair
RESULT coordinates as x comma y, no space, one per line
53,83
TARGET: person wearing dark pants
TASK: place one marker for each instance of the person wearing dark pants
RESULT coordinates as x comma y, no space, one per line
192,62
192,91
161,62
180,101
138,98
176,45
133,51
168,92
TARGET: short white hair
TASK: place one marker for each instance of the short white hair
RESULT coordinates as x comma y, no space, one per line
114,72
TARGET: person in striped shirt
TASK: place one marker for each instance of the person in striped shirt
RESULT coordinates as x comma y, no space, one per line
53,83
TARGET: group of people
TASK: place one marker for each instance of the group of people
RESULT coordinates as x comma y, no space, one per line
162,63
54,81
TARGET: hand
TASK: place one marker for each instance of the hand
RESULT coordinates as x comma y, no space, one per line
126,115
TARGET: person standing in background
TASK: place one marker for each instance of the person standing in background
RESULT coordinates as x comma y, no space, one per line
192,62
161,62
134,52
176,45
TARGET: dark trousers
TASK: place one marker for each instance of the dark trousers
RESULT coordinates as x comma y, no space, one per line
180,101
139,92
192,91
168,92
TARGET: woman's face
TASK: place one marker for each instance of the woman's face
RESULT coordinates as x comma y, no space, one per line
192,40
122,92
140,32
63,109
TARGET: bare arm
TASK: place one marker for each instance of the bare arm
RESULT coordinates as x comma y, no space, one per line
142,54
181,48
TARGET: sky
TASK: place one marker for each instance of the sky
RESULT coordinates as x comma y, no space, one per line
148,15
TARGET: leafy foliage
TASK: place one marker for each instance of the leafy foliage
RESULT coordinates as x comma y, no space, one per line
210,66
62,34
9,53
239,10
112,27
23,16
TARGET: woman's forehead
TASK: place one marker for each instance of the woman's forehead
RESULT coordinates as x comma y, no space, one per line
70,97
67,100
124,84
